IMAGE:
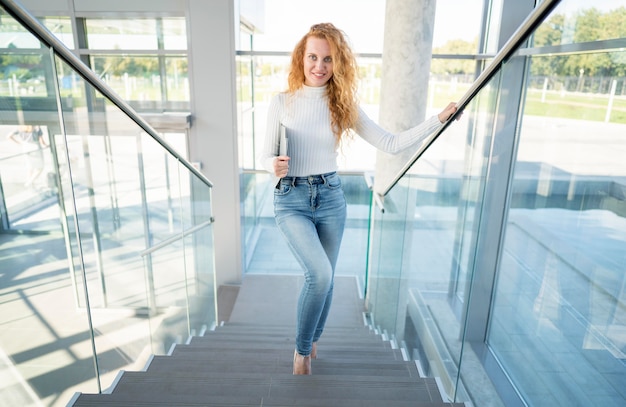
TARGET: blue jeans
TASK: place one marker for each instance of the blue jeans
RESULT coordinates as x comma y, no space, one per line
311,214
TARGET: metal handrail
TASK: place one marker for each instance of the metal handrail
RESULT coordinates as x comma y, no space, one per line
176,237
18,12
519,36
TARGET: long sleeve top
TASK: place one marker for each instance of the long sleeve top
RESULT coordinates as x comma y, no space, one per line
312,148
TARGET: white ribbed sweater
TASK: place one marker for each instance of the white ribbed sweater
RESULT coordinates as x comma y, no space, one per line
311,148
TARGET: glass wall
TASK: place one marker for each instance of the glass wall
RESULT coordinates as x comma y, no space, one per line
106,234
498,262
422,253
263,65
558,323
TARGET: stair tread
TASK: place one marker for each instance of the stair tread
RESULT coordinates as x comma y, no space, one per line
279,378
289,345
247,354
333,387
249,364
283,368
321,366
357,333
114,400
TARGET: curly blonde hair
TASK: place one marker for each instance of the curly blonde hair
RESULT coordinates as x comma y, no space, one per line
342,86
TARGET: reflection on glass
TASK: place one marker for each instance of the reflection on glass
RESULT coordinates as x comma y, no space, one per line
28,178
423,253
61,27
139,81
14,35
25,75
559,316
106,238
386,290
245,111
264,241
134,78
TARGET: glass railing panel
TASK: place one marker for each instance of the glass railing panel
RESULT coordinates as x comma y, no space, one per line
44,333
80,297
28,177
257,214
423,252
182,276
28,109
164,271
266,250
559,314
200,257
61,27
133,196
387,256
166,209
353,255
111,190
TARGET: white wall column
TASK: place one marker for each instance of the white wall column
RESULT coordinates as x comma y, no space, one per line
213,134
407,51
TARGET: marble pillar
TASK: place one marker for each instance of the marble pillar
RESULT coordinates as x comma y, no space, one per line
407,51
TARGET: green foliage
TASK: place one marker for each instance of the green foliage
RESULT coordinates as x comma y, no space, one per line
23,67
120,65
587,26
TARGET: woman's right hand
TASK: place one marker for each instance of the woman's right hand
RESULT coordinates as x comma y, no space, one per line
281,166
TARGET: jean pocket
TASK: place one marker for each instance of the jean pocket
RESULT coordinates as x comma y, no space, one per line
333,182
282,188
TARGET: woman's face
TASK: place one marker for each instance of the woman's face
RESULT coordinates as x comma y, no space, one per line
318,63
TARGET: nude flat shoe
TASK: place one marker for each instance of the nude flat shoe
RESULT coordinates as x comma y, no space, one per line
301,364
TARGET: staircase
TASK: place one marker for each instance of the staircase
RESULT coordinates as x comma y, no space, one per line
248,360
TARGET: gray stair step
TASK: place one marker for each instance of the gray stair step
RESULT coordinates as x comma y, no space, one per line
165,364
143,387
245,354
364,336
360,335
357,332
248,363
114,400
288,328
346,346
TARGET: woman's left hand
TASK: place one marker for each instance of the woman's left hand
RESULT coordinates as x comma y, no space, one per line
446,113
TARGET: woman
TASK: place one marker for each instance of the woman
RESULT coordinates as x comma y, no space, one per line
319,109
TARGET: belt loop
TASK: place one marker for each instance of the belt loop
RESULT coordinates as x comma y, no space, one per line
293,182
323,178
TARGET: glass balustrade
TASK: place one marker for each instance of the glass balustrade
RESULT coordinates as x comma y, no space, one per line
498,262
268,251
422,254
558,318
106,236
